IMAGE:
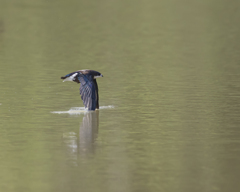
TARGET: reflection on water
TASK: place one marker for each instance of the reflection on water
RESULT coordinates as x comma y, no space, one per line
70,141
88,132
83,143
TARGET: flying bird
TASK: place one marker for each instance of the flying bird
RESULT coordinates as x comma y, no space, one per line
88,88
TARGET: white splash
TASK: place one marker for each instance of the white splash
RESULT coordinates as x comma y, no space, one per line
72,111
107,107
80,110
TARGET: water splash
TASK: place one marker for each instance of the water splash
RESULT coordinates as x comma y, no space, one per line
80,110
107,107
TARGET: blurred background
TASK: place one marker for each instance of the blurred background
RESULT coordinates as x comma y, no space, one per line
171,76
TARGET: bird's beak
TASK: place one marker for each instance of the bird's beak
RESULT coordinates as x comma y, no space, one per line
101,75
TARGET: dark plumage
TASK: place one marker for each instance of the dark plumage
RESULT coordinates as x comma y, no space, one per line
88,87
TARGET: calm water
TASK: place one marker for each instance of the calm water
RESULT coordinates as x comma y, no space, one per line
170,96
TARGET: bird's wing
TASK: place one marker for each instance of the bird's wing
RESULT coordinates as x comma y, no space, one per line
71,77
88,91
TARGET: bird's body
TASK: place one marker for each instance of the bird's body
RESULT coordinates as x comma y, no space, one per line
88,87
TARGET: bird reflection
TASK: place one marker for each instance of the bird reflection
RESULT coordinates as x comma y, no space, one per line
84,144
88,132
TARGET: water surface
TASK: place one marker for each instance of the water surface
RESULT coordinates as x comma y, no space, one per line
171,72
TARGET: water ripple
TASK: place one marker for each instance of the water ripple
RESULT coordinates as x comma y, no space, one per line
80,110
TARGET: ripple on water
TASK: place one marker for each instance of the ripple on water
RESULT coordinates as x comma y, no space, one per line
80,110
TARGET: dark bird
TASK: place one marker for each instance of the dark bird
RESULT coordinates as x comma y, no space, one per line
88,88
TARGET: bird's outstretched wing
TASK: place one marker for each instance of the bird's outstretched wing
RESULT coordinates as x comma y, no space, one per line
71,77
88,91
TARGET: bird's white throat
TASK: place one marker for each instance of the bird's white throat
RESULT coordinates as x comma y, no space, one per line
95,77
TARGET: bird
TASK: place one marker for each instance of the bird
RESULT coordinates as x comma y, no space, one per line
88,88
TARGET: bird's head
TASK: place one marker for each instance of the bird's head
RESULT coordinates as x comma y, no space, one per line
96,75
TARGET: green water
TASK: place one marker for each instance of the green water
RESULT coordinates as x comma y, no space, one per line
171,74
